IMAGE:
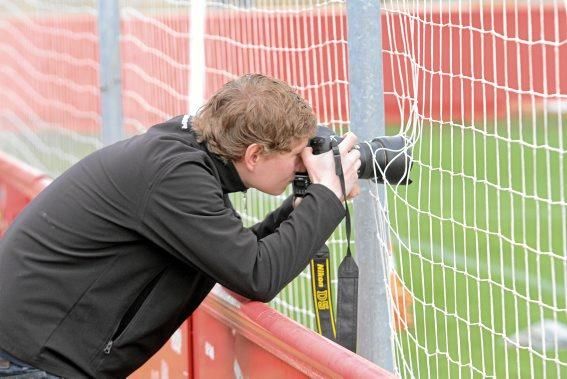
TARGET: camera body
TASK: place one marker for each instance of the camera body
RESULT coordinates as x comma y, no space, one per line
383,159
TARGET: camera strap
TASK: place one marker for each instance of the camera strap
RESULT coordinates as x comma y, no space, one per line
347,297
343,330
321,293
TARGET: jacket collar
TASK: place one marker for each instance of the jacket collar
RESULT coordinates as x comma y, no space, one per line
230,180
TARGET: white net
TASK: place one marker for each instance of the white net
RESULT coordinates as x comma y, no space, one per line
49,94
479,239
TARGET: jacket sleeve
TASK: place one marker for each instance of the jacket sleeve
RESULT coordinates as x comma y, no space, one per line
185,215
274,219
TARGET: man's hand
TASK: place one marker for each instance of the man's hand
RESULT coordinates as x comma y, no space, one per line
321,168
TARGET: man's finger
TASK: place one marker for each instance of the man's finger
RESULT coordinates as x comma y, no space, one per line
307,155
346,145
354,192
352,158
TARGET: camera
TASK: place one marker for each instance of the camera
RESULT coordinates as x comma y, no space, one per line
383,159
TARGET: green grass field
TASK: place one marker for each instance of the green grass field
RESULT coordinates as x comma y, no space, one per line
480,241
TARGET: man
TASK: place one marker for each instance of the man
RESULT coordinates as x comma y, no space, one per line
107,262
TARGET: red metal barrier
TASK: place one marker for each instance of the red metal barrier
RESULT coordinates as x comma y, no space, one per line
249,339
174,360
19,183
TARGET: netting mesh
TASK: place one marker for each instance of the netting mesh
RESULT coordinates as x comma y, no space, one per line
49,112
480,237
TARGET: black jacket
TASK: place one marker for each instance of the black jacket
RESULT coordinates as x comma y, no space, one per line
104,265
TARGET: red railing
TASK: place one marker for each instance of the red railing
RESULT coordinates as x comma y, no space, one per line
19,183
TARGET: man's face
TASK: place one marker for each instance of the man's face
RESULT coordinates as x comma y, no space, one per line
276,171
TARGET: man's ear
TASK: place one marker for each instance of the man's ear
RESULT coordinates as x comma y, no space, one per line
252,156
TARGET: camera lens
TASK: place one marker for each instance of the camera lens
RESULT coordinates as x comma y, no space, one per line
385,159
390,156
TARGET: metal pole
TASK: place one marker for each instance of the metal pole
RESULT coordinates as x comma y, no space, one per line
367,121
197,55
110,79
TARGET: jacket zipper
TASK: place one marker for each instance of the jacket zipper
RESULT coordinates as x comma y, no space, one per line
132,311
108,347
